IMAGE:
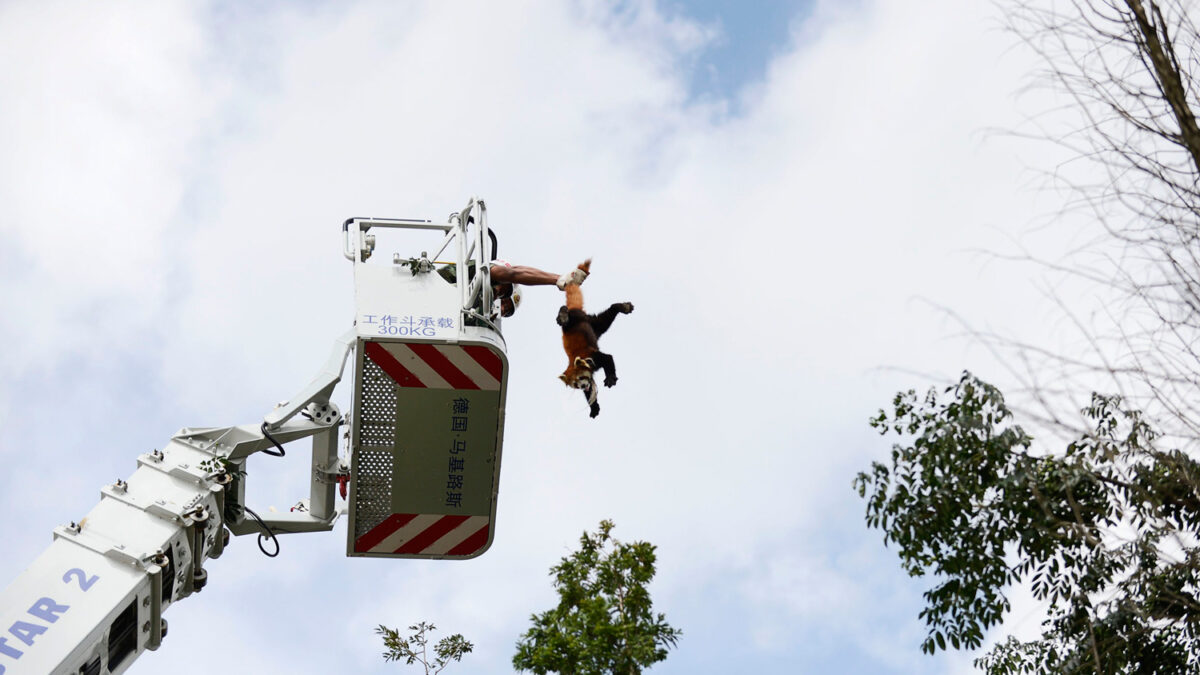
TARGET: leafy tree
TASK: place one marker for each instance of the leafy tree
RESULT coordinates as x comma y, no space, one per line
1106,533
603,622
1103,528
414,648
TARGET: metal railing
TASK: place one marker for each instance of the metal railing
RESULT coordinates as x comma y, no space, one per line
475,249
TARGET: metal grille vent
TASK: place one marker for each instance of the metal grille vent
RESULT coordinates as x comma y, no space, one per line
377,437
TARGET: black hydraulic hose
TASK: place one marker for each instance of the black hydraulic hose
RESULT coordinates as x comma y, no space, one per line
261,536
279,451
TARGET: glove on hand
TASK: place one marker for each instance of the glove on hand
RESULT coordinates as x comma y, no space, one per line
575,276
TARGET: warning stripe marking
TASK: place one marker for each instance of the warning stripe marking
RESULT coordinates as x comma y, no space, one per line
426,534
471,368
424,365
442,366
429,537
380,532
417,366
395,536
384,359
486,358
472,543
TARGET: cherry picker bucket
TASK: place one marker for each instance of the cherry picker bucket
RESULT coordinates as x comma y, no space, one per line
430,379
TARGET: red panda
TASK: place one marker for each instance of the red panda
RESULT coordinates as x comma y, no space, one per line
581,332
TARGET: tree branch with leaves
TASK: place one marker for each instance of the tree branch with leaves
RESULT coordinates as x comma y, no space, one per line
414,649
604,621
1106,533
1103,524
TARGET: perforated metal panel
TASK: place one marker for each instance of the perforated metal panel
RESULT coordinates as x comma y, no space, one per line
376,438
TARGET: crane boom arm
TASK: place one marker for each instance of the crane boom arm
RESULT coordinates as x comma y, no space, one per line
93,601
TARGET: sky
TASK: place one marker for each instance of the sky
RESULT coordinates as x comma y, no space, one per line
798,197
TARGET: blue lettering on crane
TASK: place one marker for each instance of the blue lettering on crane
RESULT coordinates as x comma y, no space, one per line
25,631
85,582
46,609
9,651
427,331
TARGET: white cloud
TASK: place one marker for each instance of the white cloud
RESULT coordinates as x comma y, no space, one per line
98,128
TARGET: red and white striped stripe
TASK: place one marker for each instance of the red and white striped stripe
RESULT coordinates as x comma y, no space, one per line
426,534
418,364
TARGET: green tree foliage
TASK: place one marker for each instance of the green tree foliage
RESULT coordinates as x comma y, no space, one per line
603,622
415,648
1104,530
1106,533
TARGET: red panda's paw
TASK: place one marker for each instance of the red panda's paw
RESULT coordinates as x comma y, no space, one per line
626,307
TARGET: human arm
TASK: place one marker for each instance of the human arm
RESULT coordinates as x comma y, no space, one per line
522,274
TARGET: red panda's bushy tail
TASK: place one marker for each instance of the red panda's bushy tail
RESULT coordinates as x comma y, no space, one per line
573,290
574,296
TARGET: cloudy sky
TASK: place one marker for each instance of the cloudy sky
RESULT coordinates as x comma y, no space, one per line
791,192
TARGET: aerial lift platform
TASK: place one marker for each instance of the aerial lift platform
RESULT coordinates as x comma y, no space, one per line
430,373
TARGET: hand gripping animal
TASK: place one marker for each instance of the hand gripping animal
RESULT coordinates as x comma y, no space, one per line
581,333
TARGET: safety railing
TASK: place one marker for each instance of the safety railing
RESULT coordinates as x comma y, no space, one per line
466,233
